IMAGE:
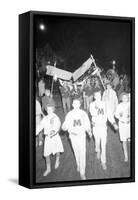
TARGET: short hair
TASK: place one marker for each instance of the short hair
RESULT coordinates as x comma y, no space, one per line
47,90
108,83
121,78
52,105
77,99
123,94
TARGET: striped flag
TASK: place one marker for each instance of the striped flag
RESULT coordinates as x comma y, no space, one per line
82,69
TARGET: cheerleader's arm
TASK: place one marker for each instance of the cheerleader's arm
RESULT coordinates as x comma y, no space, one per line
66,123
56,125
87,125
93,111
40,127
117,112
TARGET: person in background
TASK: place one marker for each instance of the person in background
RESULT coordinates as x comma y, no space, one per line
77,92
111,102
65,94
97,83
41,87
47,99
99,120
120,88
87,95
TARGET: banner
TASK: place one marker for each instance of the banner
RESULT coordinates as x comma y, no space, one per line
65,75
82,69
59,73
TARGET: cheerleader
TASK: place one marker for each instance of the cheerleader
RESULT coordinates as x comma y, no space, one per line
111,101
123,115
52,144
77,124
99,120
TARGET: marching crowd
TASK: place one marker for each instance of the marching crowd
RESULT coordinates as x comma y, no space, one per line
89,108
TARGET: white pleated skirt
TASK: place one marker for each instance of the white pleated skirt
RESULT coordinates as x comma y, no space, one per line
124,131
53,145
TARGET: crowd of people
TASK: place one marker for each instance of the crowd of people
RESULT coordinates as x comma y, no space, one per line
90,106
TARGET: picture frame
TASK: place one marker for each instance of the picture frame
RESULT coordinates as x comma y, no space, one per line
28,40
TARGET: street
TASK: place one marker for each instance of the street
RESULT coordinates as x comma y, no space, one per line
116,167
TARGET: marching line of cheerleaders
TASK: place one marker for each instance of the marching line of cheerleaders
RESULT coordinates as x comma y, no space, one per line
88,114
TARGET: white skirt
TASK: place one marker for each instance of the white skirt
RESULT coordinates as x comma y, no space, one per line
53,145
100,131
124,131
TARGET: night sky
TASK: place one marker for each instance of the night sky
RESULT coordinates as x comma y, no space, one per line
74,39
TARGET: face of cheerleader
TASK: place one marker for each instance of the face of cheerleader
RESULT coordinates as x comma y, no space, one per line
76,104
50,110
47,93
108,87
125,98
121,81
97,96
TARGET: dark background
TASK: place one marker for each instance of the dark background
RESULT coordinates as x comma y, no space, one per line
74,39
70,41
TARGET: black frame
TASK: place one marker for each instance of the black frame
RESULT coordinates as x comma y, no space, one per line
27,105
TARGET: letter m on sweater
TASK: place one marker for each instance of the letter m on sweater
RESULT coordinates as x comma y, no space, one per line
100,111
77,122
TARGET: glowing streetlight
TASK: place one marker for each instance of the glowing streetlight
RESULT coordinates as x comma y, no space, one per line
113,62
55,77
42,27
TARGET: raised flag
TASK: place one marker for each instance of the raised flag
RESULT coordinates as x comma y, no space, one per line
59,73
82,69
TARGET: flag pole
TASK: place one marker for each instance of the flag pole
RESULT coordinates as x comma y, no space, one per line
98,73
52,85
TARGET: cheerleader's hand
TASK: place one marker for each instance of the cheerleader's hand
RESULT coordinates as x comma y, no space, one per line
52,133
93,123
115,126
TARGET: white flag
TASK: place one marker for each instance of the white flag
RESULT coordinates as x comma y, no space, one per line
59,73
82,69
